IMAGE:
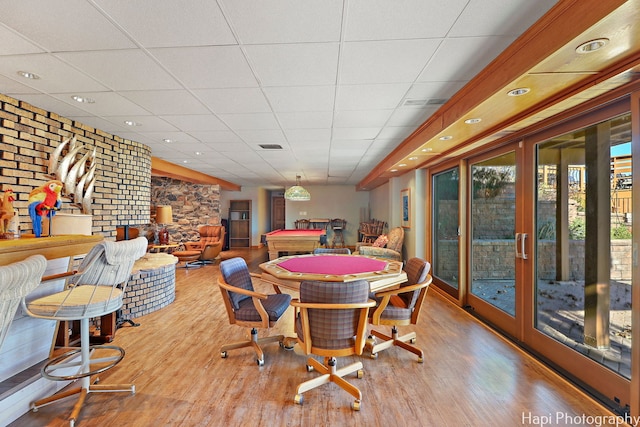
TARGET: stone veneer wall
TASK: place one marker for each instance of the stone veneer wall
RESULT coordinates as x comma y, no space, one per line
488,256
192,205
29,134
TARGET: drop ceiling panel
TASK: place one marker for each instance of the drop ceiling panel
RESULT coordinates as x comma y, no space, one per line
14,43
235,100
498,17
262,135
301,98
166,102
51,104
250,121
463,58
367,118
285,21
306,120
63,25
196,122
389,61
370,97
160,23
207,67
415,19
308,135
294,64
55,75
130,69
106,103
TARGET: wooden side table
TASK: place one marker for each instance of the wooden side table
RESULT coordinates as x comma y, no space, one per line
168,248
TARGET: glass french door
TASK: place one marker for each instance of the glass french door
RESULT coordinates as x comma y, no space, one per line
498,243
446,230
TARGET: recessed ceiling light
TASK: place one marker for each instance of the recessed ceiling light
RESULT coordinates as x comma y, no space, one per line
413,158
82,99
131,123
185,161
198,153
168,141
427,150
394,170
592,45
401,165
28,75
518,92
446,138
472,121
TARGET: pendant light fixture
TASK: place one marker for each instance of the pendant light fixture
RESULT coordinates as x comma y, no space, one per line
297,193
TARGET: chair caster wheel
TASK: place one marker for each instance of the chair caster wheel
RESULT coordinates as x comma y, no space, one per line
355,405
370,342
359,373
309,368
298,399
412,340
223,354
260,362
374,355
420,360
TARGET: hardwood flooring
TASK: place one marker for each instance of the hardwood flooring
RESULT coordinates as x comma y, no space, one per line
470,377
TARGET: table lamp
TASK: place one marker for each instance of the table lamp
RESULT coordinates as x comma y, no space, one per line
163,216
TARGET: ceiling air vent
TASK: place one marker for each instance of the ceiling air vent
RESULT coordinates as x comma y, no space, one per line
423,102
271,146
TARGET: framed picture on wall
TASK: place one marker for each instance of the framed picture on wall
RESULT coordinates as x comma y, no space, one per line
405,202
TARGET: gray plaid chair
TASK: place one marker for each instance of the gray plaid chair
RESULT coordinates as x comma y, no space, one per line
401,307
341,251
331,322
248,308
96,289
17,280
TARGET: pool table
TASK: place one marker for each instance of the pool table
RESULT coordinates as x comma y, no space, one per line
294,241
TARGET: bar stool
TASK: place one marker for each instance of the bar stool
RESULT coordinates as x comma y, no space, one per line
338,225
95,290
17,280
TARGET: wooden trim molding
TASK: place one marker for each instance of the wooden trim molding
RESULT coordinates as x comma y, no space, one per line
163,168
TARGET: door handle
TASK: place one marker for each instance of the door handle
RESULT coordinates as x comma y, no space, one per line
518,239
523,246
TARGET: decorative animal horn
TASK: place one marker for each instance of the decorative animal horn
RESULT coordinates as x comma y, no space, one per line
55,156
63,169
72,176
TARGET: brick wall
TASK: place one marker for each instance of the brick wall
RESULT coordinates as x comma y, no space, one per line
29,134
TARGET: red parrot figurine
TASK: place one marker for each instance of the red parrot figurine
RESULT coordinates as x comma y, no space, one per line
44,200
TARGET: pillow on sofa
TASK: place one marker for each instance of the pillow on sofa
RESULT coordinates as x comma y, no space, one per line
381,241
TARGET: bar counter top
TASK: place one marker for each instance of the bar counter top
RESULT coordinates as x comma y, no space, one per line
51,247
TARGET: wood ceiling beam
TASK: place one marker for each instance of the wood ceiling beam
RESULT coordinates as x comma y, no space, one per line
166,169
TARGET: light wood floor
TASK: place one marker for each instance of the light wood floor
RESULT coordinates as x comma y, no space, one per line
470,377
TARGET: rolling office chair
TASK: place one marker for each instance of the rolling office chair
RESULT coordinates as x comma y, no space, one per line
401,307
249,308
331,321
95,290
17,280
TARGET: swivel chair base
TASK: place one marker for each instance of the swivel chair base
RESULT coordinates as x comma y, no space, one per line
255,343
330,374
393,340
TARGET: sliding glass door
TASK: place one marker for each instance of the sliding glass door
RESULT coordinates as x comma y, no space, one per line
497,242
584,254
446,230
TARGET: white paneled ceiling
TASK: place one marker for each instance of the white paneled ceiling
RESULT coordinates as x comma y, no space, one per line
327,80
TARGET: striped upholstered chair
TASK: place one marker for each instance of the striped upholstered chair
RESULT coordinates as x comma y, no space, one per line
248,308
17,280
331,321
401,307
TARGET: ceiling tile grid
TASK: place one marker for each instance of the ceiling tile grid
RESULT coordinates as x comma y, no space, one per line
329,81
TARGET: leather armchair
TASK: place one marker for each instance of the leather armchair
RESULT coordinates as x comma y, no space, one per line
209,245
